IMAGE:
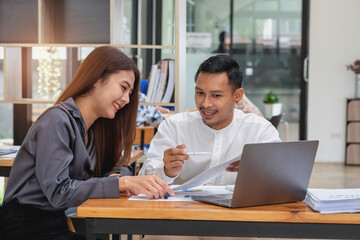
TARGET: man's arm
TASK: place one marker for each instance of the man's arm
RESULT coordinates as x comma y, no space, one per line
164,139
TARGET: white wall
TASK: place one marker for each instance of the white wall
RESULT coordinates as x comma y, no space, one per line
334,42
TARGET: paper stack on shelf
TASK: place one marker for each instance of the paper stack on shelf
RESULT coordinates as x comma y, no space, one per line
345,200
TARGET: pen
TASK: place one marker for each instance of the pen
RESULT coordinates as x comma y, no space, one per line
198,153
166,196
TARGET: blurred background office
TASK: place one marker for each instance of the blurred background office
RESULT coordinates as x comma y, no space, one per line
271,40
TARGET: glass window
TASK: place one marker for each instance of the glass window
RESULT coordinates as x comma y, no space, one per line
48,72
50,75
266,42
127,22
168,23
266,5
290,5
6,109
1,73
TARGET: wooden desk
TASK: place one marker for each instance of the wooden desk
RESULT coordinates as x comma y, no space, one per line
7,162
291,220
5,166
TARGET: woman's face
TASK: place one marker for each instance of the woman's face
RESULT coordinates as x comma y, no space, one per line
114,93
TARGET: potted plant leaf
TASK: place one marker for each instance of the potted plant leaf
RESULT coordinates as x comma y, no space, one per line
272,105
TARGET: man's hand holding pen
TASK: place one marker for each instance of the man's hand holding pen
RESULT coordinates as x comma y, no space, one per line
174,160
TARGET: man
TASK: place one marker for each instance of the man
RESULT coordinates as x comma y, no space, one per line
217,127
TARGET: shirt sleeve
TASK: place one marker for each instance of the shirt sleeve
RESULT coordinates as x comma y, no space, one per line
53,142
163,139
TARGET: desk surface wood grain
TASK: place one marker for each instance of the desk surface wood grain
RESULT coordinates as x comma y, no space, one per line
6,161
297,212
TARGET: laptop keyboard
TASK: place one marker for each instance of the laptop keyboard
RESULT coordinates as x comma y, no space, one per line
219,199
223,201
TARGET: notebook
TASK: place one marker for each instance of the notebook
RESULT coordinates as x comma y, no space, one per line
270,173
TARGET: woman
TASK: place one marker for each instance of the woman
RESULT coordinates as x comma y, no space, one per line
73,145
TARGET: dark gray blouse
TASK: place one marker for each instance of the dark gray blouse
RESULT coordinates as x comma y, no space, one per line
53,167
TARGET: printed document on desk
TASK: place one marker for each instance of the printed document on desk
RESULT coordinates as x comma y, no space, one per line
186,190
186,194
9,151
345,200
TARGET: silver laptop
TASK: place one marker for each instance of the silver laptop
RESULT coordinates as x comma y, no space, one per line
270,173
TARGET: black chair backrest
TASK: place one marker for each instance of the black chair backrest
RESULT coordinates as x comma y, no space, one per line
275,120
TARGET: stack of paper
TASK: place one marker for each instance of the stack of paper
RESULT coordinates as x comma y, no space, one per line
334,200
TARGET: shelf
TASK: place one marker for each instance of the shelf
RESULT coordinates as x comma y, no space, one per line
353,154
81,23
84,45
28,101
353,130
160,104
353,113
21,18
38,101
352,144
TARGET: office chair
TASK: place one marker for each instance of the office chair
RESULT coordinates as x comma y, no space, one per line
143,137
275,120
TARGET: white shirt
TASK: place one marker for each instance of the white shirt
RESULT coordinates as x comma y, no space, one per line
225,144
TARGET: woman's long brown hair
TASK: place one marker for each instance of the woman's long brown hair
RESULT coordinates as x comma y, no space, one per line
113,138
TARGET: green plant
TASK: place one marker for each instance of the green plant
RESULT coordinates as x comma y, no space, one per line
271,98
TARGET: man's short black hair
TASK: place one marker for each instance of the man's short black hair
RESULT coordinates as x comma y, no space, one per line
220,64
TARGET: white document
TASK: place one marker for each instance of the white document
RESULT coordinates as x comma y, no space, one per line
343,194
12,151
206,176
334,200
186,194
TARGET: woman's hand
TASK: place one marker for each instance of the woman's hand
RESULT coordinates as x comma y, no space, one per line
150,185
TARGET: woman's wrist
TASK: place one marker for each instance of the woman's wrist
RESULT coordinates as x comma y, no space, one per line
115,174
123,184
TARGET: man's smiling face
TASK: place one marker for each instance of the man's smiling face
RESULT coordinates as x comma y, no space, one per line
215,99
